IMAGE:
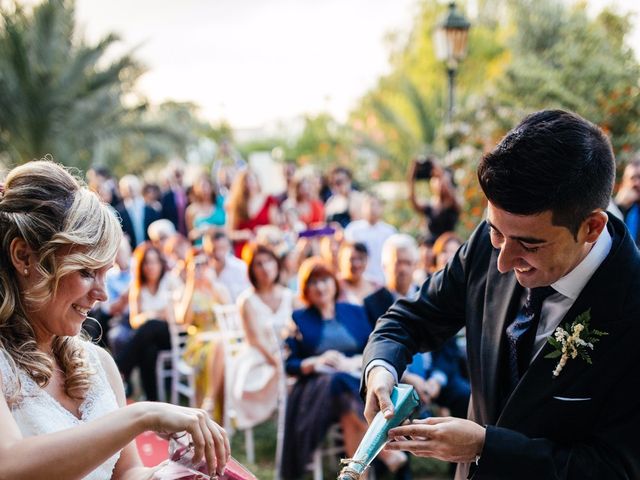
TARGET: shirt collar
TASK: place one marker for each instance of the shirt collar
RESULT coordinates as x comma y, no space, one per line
573,282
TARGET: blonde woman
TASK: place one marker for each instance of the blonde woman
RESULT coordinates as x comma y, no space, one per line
59,392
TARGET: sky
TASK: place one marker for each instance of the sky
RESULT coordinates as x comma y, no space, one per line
254,61
257,62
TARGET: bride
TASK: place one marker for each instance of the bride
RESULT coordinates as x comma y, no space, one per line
62,411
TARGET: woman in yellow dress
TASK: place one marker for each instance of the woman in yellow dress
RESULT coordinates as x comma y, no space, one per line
203,291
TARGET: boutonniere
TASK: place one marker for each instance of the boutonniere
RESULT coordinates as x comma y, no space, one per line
571,341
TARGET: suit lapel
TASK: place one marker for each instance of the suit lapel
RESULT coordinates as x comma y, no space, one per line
602,296
501,299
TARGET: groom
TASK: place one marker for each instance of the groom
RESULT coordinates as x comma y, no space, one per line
535,413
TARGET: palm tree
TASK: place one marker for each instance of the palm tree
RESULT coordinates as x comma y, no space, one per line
57,94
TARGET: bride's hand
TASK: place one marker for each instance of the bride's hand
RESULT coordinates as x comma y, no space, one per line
209,439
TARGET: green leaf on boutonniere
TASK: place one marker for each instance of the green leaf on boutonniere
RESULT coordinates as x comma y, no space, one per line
573,340
554,354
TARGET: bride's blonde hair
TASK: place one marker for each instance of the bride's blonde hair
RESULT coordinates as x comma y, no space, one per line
69,229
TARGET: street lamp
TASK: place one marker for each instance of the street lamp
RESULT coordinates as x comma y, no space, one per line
451,47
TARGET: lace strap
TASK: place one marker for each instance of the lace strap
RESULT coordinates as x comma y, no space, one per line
10,384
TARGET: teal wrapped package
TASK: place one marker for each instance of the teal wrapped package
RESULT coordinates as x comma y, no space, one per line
405,400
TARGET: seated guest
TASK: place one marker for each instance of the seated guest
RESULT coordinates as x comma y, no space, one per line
206,212
117,283
628,198
324,352
248,208
160,231
151,305
63,412
352,263
174,199
135,214
305,201
436,376
445,247
175,250
195,311
230,270
373,232
266,310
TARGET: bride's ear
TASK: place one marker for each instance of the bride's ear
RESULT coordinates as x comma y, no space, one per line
22,256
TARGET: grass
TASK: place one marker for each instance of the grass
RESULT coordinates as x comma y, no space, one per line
265,446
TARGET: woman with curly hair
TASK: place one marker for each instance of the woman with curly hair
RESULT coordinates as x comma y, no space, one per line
61,393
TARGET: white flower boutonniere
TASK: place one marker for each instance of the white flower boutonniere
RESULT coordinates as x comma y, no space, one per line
574,340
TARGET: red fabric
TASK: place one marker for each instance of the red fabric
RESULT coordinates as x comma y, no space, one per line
315,214
152,449
261,218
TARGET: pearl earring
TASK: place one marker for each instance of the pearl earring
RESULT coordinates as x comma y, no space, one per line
26,271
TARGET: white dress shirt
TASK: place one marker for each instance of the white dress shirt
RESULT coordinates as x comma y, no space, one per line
556,306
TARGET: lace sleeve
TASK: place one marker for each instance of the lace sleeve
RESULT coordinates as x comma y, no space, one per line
10,381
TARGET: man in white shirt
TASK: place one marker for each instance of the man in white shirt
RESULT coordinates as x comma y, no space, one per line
547,289
373,232
230,271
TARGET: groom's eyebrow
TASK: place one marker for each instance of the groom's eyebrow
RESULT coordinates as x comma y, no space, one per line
531,240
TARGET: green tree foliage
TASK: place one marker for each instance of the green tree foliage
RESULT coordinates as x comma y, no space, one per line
564,59
323,142
404,114
560,58
524,55
58,95
155,135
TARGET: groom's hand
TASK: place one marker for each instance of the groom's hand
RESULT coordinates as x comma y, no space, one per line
445,438
380,383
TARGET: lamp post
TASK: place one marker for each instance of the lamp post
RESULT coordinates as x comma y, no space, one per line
451,37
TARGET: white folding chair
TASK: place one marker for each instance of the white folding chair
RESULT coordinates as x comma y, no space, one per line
171,364
331,449
233,342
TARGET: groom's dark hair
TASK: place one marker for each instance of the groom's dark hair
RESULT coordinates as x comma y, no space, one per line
553,160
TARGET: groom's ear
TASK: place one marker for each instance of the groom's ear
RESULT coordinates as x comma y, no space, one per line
592,226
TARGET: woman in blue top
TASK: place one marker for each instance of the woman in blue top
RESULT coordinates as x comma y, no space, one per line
206,211
325,346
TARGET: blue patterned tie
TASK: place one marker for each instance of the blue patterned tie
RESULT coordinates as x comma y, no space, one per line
521,332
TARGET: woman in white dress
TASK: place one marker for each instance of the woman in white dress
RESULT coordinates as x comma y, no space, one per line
266,310
62,408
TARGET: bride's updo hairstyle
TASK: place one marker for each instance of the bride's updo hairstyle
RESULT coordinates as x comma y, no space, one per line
69,229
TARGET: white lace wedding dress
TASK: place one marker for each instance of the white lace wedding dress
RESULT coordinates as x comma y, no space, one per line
36,412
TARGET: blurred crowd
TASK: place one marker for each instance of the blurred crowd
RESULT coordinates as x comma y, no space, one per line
315,264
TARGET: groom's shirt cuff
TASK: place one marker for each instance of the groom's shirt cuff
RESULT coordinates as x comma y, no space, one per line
379,363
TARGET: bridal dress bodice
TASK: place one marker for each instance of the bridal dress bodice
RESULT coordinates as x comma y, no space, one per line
36,412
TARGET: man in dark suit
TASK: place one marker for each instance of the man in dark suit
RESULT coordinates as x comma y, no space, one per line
174,199
539,410
135,214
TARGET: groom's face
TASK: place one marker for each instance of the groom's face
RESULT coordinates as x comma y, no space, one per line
537,251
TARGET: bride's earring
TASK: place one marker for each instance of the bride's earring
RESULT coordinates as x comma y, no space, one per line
26,272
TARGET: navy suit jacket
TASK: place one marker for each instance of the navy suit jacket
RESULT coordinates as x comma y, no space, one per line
580,425
446,359
308,321
150,216
170,211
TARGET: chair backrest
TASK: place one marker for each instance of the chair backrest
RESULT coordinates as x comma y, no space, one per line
179,336
230,323
233,342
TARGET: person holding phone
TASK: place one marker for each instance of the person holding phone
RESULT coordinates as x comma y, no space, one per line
442,210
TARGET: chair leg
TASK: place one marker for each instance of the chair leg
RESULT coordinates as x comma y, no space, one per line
249,446
282,408
317,465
